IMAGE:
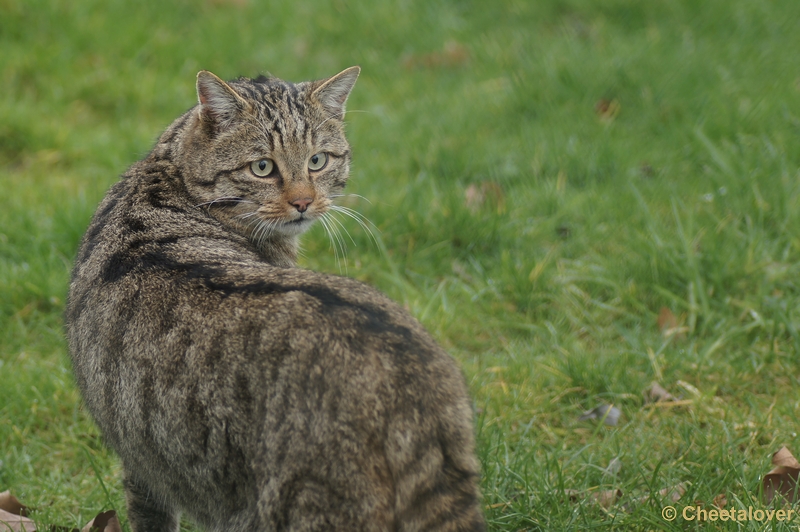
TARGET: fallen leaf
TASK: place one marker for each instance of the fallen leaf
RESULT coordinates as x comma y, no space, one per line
607,110
670,325
486,193
453,54
608,413
782,479
720,501
10,504
605,498
104,522
15,523
673,493
657,393
666,319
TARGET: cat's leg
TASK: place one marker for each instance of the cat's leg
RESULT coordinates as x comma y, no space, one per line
147,512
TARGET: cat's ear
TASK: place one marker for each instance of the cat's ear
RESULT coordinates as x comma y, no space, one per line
332,93
219,103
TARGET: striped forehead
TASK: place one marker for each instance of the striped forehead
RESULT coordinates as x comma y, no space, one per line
279,106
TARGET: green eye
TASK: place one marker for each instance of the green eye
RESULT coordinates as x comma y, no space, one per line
318,161
262,167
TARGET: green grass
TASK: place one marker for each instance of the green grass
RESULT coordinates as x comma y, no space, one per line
685,196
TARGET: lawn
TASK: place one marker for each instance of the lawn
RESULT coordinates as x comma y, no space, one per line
578,198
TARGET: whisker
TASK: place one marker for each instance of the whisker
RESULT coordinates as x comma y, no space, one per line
333,196
360,218
335,241
323,123
234,199
339,224
337,235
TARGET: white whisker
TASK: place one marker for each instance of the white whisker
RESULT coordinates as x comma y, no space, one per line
333,196
224,199
360,218
335,240
339,224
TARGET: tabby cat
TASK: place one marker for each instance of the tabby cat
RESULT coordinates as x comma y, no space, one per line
242,391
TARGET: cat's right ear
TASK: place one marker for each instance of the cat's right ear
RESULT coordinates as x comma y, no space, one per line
219,103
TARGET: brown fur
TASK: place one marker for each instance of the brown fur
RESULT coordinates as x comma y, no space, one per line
247,393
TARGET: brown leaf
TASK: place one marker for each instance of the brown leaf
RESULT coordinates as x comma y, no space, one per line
671,325
486,193
673,493
605,498
666,319
10,504
15,523
607,110
104,522
656,393
453,54
720,501
782,479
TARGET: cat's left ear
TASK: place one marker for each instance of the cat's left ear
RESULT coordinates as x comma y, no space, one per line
333,92
219,103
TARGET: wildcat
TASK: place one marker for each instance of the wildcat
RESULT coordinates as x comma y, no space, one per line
240,390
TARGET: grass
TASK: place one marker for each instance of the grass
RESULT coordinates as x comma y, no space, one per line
545,178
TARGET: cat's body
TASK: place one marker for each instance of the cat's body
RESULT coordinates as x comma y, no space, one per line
251,395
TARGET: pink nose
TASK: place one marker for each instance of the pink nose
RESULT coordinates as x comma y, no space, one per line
301,204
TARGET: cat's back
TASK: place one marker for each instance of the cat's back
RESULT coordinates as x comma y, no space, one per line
277,393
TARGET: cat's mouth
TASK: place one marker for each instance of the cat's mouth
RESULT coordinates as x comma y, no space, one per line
297,225
303,218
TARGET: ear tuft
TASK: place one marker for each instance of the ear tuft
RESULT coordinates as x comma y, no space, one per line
219,103
333,92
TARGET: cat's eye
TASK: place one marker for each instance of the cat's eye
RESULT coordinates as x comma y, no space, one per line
262,167
318,161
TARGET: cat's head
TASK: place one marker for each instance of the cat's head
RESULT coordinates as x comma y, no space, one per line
264,156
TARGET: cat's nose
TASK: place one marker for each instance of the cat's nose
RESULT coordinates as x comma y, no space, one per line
301,204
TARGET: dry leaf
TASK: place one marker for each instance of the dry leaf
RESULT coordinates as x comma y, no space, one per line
15,523
656,393
10,504
605,498
782,479
720,501
670,325
104,522
452,55
666,320
607,110
673,493
608,413
486,193
13,515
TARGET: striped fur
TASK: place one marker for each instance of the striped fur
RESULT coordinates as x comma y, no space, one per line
237,389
